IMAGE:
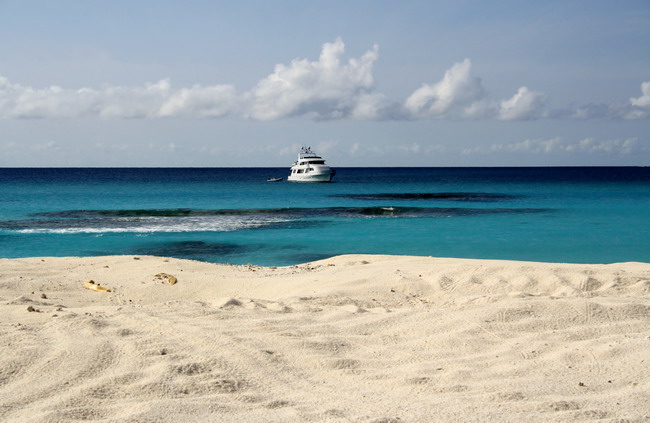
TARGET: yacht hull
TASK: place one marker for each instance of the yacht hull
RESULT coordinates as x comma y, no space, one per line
310,177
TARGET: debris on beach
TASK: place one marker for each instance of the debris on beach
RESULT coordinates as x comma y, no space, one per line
170,278
95,286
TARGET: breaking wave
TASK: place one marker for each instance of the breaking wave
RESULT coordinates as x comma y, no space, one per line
136,225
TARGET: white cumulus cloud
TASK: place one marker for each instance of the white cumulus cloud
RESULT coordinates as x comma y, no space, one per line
640,106
457,88
635,108
644,99
17,101
149,101
129,102
198,101
332,87
459,94
525,104
324,89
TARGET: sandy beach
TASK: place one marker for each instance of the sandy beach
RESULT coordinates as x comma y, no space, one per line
353,338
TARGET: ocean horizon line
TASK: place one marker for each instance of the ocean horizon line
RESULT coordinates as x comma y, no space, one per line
338,167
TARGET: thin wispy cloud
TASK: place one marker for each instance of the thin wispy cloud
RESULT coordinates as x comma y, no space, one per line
556,146
560,145
332,87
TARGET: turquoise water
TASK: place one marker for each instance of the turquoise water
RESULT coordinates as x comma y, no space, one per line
582,215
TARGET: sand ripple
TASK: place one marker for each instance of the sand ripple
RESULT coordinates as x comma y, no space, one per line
348,339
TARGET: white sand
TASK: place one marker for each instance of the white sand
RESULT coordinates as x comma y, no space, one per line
348,339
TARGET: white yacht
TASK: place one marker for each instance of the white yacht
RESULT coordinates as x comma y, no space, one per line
310,168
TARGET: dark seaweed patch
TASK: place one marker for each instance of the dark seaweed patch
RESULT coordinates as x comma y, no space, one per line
295,224
389,211
292,212
440,196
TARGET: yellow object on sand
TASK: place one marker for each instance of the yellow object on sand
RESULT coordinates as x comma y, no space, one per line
170,279
95,287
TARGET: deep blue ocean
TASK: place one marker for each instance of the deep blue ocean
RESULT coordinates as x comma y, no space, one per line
232,215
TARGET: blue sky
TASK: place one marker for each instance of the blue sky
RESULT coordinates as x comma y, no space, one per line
365,83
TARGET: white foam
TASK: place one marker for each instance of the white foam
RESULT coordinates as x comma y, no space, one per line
146,225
